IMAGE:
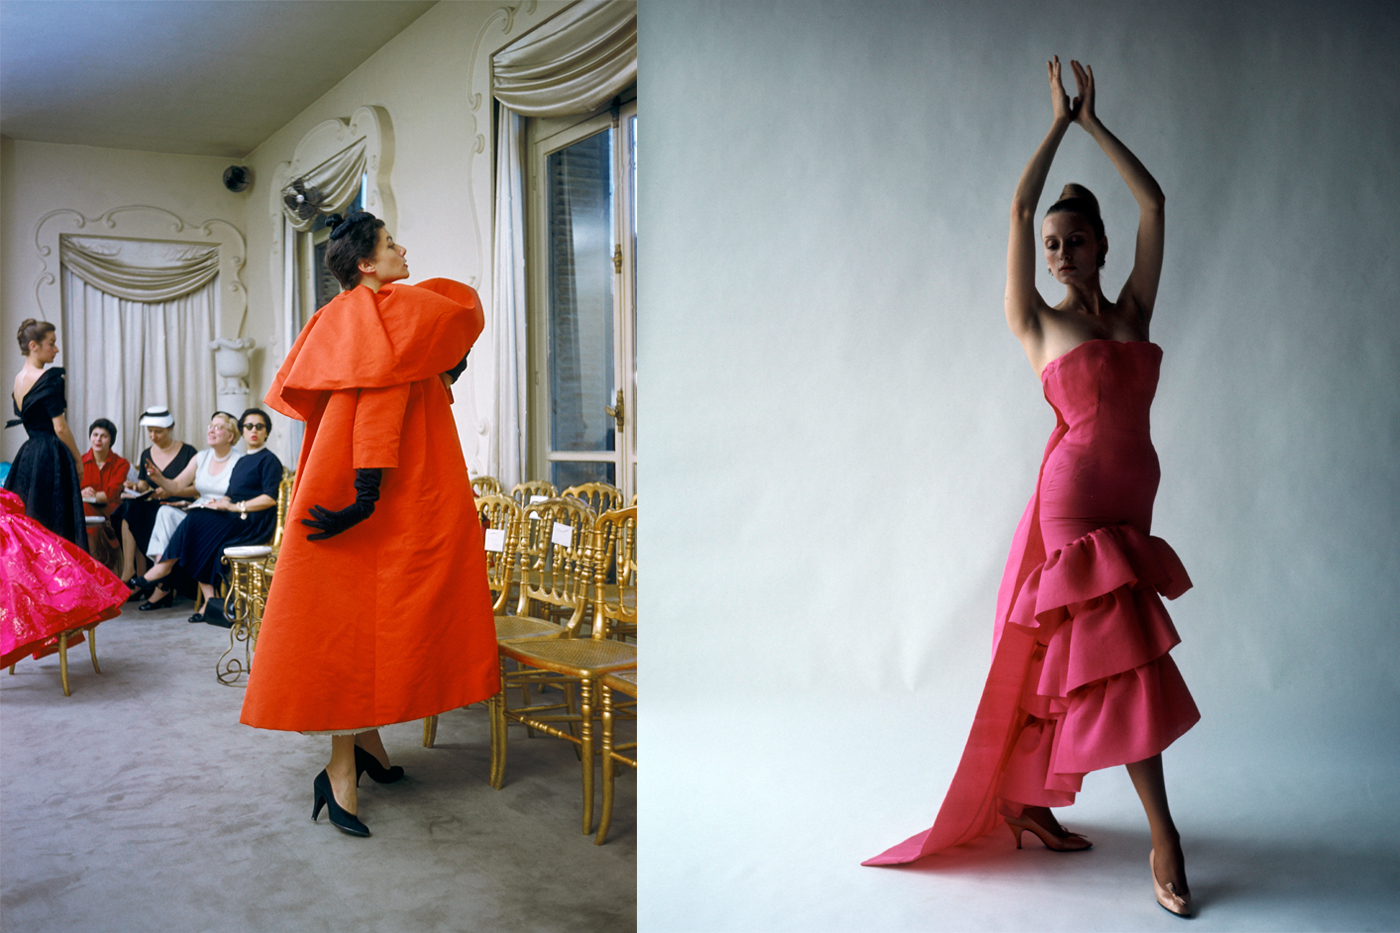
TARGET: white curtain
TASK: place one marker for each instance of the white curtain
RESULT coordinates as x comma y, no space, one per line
506,457
338,179
123,355
574,63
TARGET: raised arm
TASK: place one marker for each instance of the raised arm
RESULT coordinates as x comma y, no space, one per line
180,485
1140,291
1023,301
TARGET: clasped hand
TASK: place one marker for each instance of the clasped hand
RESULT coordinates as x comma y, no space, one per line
1081,109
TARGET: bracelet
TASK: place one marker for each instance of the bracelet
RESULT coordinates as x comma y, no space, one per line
243,510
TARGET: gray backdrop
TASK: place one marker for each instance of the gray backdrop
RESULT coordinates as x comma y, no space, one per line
840,433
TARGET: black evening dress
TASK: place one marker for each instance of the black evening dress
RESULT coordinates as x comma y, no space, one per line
200,539
140,514
44,474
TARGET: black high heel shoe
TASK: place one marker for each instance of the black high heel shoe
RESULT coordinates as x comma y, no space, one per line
164,602
341,819
367,763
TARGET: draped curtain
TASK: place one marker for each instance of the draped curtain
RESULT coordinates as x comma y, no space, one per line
338,179
138,317
572,64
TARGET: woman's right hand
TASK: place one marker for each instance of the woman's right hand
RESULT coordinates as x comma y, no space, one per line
1059,100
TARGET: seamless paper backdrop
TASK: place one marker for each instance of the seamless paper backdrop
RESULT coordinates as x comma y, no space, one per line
840,432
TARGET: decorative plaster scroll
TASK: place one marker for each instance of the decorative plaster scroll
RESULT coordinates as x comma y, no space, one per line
142,222
322,142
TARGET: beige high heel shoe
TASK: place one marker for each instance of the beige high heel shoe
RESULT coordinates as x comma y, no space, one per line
1069,842
1171,902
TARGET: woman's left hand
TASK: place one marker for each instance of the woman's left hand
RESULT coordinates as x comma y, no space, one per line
1083,106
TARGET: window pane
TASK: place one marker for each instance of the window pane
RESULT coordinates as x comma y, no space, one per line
581,295
566,473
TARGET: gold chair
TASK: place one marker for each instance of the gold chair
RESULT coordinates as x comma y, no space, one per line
615,574
568,660
624,682
486,486
62,648
502,560
250,569
531,488
615,616
600,497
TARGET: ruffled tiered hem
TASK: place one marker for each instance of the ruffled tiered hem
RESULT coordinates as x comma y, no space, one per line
1081,680
1100,689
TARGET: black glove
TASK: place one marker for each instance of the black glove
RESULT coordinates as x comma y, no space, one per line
330,523
456,371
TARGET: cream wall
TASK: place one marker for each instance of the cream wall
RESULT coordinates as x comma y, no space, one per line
43,177
841,434
433,80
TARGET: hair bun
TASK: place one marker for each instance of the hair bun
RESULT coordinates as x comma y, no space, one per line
334,220
1073,192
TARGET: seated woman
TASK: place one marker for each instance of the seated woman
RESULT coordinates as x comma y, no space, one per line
136,517
104,473
247,515
208,474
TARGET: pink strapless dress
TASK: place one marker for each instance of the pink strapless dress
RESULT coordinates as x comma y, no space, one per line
47,585
1081,678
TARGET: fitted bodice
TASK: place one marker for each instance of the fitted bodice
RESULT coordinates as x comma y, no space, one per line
43,402
1100,467
1104,385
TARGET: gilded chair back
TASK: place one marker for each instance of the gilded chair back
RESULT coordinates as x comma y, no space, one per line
521,492
615,574
597,496
503,514
284,499
556,556
486,486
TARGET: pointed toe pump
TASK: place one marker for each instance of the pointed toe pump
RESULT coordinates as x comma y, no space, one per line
341,819
1069,842
365,763
1173,903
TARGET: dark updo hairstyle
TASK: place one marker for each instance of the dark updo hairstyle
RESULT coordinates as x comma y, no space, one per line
352,238
107,426
1077,199
35,331
267,419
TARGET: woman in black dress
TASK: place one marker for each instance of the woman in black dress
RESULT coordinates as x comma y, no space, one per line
246,515
47,472
137,517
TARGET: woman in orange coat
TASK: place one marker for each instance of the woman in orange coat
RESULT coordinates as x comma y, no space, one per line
379,610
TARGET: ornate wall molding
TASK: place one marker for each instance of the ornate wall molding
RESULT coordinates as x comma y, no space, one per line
494,34
323,141
143,222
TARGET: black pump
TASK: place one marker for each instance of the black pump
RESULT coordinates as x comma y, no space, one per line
341,819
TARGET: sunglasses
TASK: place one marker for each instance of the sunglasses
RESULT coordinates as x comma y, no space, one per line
254,426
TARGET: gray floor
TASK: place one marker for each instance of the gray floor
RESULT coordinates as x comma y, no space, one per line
140,803
1282,832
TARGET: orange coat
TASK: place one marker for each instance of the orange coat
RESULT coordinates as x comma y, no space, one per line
390,620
